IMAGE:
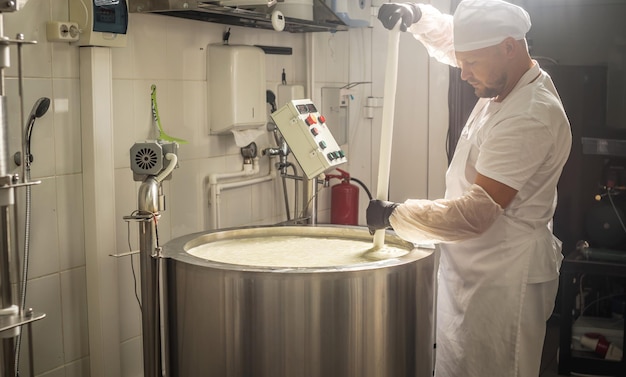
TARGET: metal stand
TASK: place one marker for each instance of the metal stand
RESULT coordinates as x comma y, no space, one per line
11,322
11,317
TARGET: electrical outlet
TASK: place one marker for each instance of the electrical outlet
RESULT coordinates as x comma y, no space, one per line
62,31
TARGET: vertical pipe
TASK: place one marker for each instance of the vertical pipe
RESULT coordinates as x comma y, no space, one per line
6,293
309,199
4,57
148,204
149,304
8,252
20,88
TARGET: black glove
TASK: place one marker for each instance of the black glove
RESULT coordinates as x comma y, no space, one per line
377,214
390,13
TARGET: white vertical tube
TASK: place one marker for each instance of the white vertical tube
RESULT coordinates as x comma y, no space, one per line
389,93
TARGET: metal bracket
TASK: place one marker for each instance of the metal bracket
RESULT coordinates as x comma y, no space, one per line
140,217
12,181
125,254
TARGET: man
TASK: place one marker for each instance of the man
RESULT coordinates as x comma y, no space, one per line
498,273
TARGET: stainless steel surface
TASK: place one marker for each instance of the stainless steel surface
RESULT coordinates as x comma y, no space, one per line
147,203
253,16
8,322
148,196
372,319
150,307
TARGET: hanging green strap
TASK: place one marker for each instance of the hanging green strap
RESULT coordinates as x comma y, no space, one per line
155,115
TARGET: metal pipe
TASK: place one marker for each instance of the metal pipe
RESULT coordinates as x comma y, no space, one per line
7,300
9,258
150,310
148,204
309,202
20,88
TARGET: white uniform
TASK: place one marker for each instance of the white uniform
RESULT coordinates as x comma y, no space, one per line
497,290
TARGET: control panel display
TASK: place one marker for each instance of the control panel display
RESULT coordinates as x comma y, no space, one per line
308,136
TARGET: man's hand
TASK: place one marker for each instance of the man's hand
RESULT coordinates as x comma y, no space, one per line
377,214
390,13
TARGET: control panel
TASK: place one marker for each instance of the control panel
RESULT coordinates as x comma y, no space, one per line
308,137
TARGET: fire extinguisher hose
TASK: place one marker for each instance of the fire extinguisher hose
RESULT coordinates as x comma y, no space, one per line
367,191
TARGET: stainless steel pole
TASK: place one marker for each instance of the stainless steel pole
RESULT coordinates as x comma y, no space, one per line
148,204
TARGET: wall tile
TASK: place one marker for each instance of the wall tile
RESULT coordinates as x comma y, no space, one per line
30,21
124,130
44,296
74,309
132,358
188,209
70,221
58,372
44,240
78,368
67,126
130,314
186,48
125,204
149,36
193,126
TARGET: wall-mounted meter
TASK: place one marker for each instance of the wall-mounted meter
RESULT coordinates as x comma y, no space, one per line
101,22
308,136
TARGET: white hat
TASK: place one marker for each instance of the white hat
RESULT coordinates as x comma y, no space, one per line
484,23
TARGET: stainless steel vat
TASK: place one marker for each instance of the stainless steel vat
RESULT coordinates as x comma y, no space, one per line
372,319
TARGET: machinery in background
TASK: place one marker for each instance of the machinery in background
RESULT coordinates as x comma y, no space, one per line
308,136
303,131
152,162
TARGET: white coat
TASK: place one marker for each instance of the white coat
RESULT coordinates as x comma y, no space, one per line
523,142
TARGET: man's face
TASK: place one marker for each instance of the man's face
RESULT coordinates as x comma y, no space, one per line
484,69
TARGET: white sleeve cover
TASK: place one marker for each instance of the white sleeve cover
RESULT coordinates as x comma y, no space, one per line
446,220
434,30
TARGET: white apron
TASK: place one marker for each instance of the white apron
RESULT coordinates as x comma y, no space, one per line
482,283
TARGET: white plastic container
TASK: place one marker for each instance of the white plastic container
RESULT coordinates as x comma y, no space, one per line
236,88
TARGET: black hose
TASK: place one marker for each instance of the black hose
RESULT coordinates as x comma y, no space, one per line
369,194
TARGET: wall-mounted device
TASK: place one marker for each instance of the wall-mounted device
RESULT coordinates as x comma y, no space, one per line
101,22
236,87
308,136
148,158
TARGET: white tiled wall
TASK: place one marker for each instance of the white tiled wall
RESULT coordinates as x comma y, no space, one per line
171,54
167,52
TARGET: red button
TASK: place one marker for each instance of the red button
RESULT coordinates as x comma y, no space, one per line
310,120
314,131
322,119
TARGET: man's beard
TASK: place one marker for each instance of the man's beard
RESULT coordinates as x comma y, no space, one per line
486,92
491,91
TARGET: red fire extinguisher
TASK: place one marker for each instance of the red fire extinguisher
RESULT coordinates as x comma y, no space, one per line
344,200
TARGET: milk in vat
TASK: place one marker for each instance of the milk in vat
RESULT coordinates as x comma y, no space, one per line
287,251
